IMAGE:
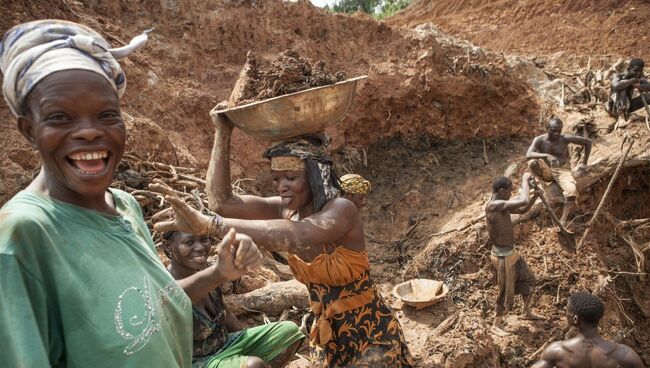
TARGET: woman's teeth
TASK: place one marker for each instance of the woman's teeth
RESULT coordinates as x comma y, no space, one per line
89,162
96,155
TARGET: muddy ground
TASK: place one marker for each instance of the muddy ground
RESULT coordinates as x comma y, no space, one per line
437,119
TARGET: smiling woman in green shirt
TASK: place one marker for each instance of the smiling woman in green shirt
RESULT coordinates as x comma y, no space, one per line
81,282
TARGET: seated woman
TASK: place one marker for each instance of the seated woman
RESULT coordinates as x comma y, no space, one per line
325,238
219,340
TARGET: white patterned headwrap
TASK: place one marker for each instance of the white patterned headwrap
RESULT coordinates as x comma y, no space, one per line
31,51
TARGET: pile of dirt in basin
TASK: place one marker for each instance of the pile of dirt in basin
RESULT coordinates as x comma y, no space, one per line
287,73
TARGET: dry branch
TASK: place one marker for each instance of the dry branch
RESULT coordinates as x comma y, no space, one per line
609,188
639,258
473,222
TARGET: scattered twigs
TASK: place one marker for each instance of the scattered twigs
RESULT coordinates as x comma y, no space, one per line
156,165
186,182
237,186
622,334
639,258
609,188
473,222
568,265
634,224
400,243
197,197
451,199
485,156
617,299
627,273
445,325
640,301
582,87
647,109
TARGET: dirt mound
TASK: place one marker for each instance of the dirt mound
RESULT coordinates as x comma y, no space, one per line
287,73
569,31
431,188
195,55
437,119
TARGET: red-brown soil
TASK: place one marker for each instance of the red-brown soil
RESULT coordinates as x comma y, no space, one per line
569,32
198,49
431,127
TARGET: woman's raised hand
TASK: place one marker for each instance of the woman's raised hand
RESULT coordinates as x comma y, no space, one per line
221,120
187,220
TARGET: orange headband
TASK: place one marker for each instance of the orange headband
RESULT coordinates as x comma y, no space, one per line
287,163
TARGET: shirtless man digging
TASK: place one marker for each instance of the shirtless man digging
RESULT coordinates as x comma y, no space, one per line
588,349
550,160
512,272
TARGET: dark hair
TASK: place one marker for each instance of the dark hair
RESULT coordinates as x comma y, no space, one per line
636,62
167,238
501,183
588,307
558,120
315,177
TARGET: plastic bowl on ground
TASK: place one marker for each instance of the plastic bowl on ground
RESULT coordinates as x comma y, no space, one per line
421,293
295,114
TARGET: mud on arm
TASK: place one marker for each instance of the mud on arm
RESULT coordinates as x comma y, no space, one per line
304,237
218,182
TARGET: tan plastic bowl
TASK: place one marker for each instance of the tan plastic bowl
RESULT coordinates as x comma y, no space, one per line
298,113
421,293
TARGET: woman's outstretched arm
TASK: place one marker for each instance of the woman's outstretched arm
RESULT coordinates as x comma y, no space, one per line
218,182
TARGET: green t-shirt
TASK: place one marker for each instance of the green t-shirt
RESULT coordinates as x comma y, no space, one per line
82,289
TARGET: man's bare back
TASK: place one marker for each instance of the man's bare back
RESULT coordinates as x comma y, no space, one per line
588,349
581,352
499,226
498,210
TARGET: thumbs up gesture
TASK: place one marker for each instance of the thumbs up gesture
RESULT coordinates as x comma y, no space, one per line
236,254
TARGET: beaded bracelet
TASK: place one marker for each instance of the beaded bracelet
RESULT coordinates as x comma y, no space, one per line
216,226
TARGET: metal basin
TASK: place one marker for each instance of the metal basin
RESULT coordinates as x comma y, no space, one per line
421,293
298,113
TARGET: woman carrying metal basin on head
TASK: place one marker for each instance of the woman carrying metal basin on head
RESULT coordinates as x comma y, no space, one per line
324,236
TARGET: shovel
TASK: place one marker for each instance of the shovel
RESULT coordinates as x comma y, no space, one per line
647,109
566,238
